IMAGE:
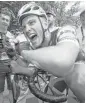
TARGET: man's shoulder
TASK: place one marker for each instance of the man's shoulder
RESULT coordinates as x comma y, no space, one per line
64,33
67,28
58,31
64,29
67,31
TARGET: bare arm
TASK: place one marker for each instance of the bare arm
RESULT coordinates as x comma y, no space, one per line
56,59
76,81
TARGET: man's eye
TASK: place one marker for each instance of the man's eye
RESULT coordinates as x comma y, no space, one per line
31,22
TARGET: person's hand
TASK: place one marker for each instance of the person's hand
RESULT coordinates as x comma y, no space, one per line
27,55
10,52
20,67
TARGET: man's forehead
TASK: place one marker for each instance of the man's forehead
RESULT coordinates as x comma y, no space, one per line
29,17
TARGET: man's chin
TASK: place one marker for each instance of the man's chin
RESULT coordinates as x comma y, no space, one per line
37,46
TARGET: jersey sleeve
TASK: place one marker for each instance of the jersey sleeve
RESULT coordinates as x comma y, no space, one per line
67,34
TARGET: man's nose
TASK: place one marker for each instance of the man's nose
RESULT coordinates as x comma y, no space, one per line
28,29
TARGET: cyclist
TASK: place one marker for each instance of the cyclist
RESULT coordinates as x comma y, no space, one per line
6,15
57,56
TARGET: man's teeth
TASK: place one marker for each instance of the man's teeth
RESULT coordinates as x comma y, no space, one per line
32,36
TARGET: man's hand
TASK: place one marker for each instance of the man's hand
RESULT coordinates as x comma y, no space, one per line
10,52
20,67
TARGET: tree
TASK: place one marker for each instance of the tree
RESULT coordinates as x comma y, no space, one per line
63,16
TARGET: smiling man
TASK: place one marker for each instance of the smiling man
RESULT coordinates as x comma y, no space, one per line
57,57
5,41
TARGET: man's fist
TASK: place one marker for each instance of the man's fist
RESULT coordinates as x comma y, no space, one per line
21,67
11,52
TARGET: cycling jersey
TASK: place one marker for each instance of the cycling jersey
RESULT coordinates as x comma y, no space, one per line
64,34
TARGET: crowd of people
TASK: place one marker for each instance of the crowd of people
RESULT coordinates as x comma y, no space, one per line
57,50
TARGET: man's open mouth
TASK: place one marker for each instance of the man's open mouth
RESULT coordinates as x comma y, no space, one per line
33,37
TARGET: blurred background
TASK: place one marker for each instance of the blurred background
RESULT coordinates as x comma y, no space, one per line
65,11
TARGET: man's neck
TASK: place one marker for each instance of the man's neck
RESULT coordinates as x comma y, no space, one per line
46,39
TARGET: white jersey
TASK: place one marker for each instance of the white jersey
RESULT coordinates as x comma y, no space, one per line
64,34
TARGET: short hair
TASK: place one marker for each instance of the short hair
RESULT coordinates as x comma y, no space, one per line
8,12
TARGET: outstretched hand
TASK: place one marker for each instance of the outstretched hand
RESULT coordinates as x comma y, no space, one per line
21,67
